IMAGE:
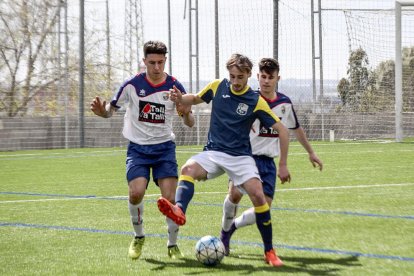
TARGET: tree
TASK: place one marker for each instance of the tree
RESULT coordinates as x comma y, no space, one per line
366,90
26,57
343,88
350,90
408,78
385,86
30,79
385,82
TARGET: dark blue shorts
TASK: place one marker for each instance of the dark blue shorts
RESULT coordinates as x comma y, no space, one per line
160,158
267,172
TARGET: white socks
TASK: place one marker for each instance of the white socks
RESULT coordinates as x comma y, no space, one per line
172,232
229,212
136,211
248,217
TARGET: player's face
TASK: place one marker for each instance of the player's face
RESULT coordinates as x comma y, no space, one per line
155,64
268,82
238,79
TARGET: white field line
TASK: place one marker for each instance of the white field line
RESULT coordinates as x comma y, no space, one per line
199,193
111,153
344,187
189,150
61,153
43,200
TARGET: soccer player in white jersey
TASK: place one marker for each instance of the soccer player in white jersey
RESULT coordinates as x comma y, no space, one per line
235,106
148,127
265,147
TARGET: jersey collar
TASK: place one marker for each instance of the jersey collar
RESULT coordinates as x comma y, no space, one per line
241,92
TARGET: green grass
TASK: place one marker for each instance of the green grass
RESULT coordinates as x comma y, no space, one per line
64,212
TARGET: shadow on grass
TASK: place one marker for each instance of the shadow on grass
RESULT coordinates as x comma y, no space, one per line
346,261
292,265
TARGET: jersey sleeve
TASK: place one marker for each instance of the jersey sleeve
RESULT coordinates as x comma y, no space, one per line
180,87
291,121
121,97
265,114
209,91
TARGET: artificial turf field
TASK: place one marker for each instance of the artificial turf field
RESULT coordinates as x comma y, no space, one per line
64,212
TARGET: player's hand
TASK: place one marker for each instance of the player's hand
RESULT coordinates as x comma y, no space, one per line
283,174
183,109
98,107
316,162
175,95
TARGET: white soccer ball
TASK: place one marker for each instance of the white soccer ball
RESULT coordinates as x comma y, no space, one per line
209,250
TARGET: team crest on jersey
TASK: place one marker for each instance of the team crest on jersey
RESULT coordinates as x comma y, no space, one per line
242,109
151,112
142,93
165,96
283,109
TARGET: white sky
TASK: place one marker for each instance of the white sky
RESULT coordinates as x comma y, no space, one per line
245,27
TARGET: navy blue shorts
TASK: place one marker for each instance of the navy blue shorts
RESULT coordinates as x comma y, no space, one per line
267,172
160,158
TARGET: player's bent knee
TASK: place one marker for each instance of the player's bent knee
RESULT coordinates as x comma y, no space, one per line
186,169
192,169
257,198
235,197
135,197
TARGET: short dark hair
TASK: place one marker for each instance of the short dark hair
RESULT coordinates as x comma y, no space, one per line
154,47
242,62
269,65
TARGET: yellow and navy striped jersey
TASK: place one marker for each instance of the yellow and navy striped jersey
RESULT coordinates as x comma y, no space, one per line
232,116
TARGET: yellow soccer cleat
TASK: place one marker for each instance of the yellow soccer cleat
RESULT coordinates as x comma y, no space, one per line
135,248
174,252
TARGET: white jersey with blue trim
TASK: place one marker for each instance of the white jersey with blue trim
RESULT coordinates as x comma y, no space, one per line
149,111
264,140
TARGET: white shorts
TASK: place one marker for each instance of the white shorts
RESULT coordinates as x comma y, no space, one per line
238,168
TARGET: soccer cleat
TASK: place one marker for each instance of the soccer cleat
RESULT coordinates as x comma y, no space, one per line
225,237
135,247
174,252
271,258
171,211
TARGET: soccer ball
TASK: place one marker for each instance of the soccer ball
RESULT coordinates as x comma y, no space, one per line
209,250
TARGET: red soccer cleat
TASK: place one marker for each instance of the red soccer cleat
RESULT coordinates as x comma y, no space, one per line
171,211
271,258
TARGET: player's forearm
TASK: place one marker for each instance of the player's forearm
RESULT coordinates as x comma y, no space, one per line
283,143
188,119
190,99
303,140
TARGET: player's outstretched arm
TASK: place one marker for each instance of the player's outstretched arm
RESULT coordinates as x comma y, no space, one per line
101,109
185,112
186,99
283,171
303,140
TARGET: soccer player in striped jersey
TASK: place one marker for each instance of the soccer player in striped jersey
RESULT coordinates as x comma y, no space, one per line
265,147
148,127
235,106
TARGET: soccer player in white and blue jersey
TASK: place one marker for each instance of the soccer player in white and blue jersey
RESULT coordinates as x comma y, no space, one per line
148,127
265,147
235,106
